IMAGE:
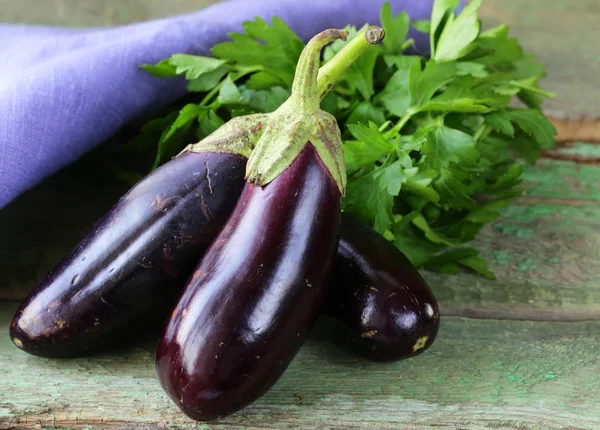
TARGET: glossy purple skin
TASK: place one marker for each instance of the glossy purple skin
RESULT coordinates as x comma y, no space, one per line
132,266
255,295
385,308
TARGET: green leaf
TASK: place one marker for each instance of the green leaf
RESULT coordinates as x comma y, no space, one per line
396,96
370,202
207,81
452,190
447,262
229,92
477,70
442,13
396,29
370,147
391,178
511,179
187,115
531,84
498,50
366,112
172,139
446,145
162,69
268,100
527,147
264,81
415,246
419,183
500,121
478,265
458,34
194,66
430,233
208,124
422,26
486,212
275,48
151,133
535,124
432,79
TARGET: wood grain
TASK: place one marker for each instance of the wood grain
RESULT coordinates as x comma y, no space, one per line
563,34
478,374
583,129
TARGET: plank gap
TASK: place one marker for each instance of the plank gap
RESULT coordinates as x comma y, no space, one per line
573,129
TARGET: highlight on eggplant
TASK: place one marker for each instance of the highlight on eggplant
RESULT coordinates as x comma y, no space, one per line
383,307
258,290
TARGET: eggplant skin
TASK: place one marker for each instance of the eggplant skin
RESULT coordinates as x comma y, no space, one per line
255,295
131,268
383,308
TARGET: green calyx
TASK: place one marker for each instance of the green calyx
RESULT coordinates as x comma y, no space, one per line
300,121
273,141
237,136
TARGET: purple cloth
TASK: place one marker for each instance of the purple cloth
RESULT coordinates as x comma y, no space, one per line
64,91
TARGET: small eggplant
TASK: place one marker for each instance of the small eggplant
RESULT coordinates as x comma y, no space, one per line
259,288
381,303
134,261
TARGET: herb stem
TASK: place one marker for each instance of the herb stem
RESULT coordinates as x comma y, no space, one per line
234,77
335,67
482,132
398,127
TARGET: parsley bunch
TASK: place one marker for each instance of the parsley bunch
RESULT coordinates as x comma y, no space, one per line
432,144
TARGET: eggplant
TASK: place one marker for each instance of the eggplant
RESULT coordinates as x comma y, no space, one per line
259,288
255,295
129,270
382,306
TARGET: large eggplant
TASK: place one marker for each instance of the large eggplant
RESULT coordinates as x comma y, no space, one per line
256,294
384,308
259,288
135,259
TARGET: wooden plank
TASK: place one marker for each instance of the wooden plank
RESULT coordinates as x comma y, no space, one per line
544,250
478,374
563,35
94,13
570,130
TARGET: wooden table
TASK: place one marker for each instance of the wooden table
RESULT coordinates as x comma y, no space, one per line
519,352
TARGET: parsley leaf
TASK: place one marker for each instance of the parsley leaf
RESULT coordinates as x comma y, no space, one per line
396,29
434,146
275,48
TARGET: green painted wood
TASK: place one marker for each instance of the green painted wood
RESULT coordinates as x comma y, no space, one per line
478,374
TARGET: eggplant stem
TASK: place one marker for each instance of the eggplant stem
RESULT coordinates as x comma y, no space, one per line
333,70
305,96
